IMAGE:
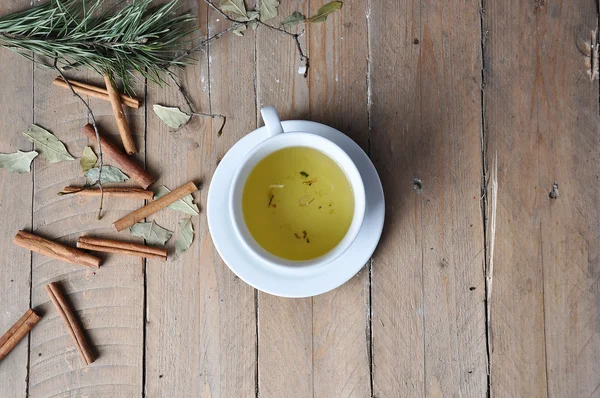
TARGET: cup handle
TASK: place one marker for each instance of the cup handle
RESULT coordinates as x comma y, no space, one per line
271,119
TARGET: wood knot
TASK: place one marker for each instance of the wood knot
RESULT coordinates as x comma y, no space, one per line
554,192
417,185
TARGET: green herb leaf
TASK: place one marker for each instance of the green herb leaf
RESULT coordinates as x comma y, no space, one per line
172,116
239,31
237,8
109,174
268,9
185,237
47,144
324,11
88,160
293,20
17,162
304,174
185,204
152,232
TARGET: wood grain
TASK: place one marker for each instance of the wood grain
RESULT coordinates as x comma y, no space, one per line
201,326
317,346
285,326
542,125
404,80
428,324
338,98
16,197
108,301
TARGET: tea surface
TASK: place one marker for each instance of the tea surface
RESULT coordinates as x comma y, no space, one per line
297,203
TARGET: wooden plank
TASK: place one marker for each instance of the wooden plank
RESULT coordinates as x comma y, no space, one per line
338,98
316,346
285,339
16,114
108,301
428,322
542,124
201,326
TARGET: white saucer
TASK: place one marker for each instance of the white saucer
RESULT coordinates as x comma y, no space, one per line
272,280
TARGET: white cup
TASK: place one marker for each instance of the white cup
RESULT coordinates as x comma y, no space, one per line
278,139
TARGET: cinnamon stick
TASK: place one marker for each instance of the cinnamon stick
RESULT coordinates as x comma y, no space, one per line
55,250
9,340
115,246
96,92
117,108
129,166
133,193
73,327
155,206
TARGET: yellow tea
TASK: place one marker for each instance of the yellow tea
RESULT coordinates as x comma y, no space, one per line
297,203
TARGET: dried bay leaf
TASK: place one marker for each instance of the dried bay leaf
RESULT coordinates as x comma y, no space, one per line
47,144
153,233
17,162
185,237
172,116
237,8
109,174
268,9
239,31
252,15
88,160
185,204
293,20
324,11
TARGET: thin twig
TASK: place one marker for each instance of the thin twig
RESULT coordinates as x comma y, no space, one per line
183,93
236,24
192,108
205,42
295,36
93,120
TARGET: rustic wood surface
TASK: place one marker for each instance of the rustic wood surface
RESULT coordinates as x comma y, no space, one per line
482,285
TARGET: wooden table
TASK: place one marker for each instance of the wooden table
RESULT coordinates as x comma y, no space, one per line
481,283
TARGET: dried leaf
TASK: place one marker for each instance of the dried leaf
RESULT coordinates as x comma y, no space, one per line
47,144
153,233
17,162
88,160
172,116
253,25
237,8
293,20
109,174
185,204
252,15
239,31
324,11
268,9
185,237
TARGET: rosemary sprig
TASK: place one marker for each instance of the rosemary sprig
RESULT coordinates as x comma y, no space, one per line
79,33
